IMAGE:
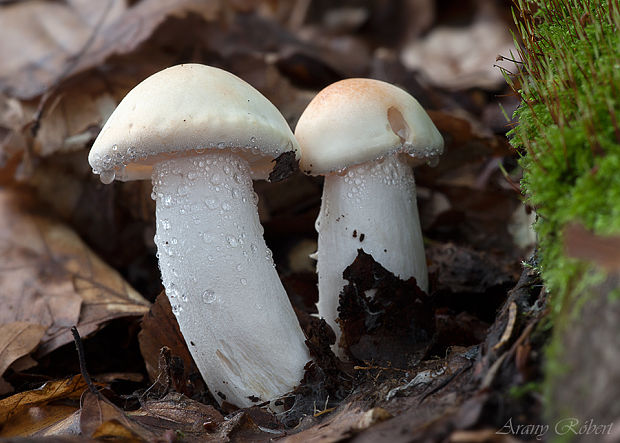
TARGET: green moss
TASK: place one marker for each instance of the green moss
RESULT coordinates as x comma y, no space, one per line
568,135
522,391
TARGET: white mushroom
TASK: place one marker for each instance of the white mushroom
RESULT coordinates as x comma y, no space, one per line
364,135
202,134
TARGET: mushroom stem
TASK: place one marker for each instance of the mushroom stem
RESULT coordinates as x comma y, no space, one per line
371,206
221,280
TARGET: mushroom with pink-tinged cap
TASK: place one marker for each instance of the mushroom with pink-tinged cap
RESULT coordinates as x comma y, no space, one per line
201,134
364,136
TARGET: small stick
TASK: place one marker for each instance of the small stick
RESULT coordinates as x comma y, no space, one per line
79,346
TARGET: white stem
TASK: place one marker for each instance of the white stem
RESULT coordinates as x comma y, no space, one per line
220,278
372,207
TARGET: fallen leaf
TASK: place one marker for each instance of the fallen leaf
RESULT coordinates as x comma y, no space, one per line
340,426
172,415
159,329
47,42
17,340
179,413
51,278
100,418
31,411
460,58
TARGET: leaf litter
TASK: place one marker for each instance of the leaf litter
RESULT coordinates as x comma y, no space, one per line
423,367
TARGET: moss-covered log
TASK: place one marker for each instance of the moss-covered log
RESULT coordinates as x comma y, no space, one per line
569,136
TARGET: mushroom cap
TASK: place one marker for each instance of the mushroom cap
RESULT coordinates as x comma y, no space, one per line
358,120
185,110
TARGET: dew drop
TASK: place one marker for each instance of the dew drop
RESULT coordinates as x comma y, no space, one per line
216,179
208,296
211,203
176,309
252,139
107,177
244,281
165,223
253,248
226,206
232,241
433,162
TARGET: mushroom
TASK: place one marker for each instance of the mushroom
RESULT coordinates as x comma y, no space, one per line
364,136
201,134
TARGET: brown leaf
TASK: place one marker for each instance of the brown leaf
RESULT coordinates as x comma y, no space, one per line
45,420
175,411
604,251
159,329
154,421
99,418
340,426
51,278
47,42
463,57
17,340
30,411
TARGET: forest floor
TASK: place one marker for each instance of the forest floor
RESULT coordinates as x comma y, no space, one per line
457,364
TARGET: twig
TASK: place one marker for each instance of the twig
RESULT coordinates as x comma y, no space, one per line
79,346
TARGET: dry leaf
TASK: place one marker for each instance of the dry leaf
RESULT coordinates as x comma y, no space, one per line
154,421
180,413
343,425
17,340
29,412
99,418
159,329
51,278
460,58
46,42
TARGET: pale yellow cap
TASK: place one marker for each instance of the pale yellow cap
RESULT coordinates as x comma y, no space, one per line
185,110
358,120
